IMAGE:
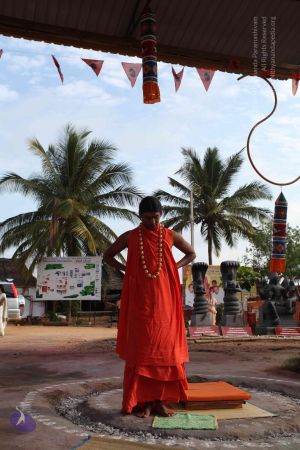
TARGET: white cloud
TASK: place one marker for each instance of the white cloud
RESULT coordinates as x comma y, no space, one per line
116,81
25,63
87,91
7,94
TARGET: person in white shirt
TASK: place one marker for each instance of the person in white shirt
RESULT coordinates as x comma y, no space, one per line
3,311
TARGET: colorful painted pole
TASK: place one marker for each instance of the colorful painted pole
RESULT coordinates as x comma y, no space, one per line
278,260
149,54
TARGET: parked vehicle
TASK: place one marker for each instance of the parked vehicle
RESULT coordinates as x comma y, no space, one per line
13,302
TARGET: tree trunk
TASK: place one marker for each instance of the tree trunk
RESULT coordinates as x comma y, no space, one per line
70,252
209,242
70,312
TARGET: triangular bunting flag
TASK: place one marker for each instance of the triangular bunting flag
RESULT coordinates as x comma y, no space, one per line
132,71
95,64
1,52
177,78
295,86
58,68
206,76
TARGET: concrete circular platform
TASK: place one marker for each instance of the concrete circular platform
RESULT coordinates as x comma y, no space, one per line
92,407
103,408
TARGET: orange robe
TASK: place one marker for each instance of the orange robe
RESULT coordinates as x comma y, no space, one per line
151,332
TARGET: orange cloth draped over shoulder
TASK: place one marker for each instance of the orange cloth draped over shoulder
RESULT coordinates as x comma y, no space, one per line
151,332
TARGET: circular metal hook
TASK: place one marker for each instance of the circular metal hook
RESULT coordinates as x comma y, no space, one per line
250,134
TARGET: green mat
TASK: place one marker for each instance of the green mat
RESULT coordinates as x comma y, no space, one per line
186,421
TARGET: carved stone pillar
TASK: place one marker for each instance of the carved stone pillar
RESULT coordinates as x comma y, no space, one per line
200,315
232,315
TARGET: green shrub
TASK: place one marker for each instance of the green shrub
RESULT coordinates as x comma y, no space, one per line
292,364
53,317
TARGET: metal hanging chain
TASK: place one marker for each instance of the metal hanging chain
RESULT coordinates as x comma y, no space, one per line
250,134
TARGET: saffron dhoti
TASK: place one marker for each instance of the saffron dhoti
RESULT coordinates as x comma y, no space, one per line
149,383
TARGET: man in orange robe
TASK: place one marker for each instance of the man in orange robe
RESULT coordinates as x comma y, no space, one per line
151,332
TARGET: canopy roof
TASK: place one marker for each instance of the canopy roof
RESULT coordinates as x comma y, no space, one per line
197,33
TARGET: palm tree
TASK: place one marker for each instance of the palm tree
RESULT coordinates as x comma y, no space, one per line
79,187
219,214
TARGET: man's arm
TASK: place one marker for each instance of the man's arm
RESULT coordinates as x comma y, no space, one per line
185,248
119,245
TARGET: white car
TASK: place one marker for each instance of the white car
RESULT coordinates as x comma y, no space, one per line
13,302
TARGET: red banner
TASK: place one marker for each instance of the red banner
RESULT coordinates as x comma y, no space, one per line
177,78
58,68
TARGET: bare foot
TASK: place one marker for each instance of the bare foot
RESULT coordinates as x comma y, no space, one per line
163,410
145,411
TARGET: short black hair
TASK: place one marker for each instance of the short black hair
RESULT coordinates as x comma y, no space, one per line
150,204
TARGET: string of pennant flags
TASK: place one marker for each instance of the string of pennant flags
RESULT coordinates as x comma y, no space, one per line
132,71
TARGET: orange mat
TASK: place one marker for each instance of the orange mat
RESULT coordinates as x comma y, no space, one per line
215,391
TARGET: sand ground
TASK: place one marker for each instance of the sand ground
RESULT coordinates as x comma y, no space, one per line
36,356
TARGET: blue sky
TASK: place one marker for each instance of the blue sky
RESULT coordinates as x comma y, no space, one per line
149,137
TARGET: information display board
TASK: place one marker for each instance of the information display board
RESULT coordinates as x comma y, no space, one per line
68,278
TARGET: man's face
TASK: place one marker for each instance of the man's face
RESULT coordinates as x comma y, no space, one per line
150,219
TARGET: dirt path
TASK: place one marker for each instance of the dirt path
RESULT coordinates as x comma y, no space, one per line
34,357
26,338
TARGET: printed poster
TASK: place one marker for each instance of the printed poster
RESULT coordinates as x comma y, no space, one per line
68,278
212,284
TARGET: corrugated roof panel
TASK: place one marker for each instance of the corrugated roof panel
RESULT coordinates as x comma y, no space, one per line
40,10
51,15
95,11
62,14
73,13
194,31
242,44
189,33
287,36
203,34
170,22
29,9
107,17
226,38
87,13
126,13
112,15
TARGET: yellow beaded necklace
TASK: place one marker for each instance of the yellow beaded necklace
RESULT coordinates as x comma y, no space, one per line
160,251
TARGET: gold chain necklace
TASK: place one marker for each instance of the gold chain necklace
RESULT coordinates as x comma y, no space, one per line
160,250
